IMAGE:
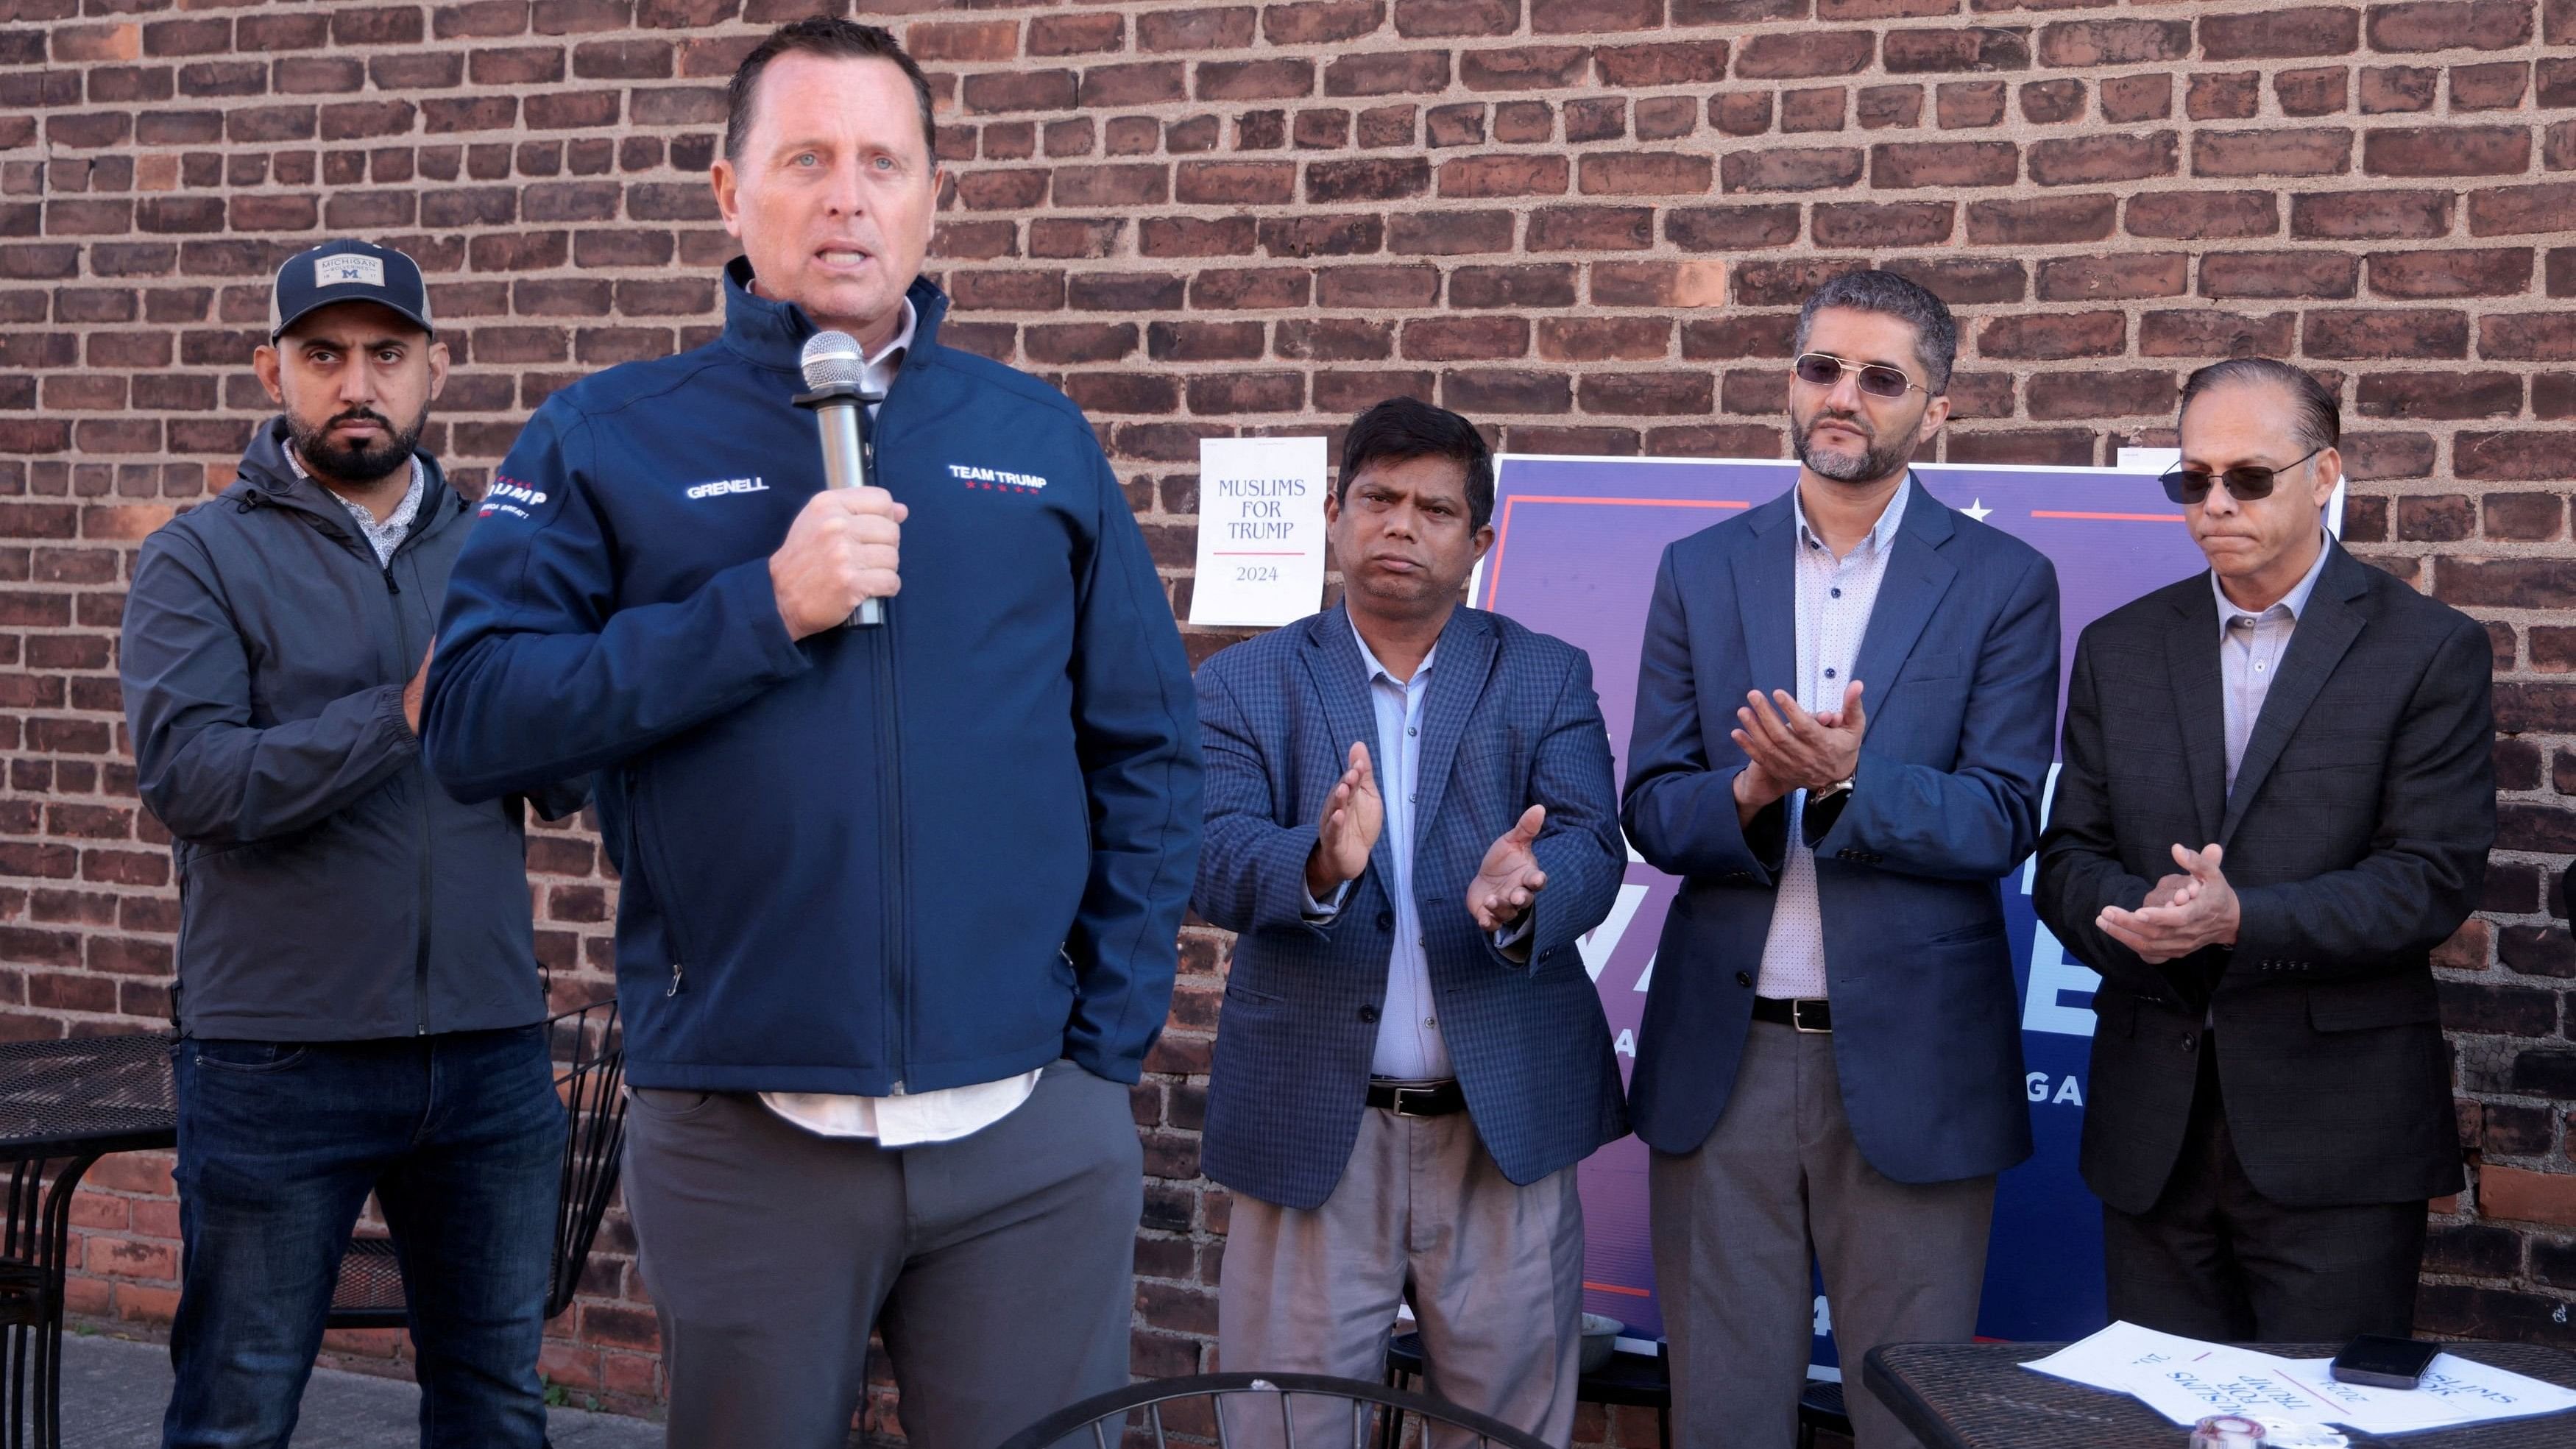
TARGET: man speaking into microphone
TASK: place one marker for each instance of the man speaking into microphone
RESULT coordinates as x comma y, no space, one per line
899,898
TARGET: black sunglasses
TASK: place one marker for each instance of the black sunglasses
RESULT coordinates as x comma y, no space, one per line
2191,485
1876,378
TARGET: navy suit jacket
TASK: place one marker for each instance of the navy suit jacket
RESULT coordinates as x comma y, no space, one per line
1509,721
1960,664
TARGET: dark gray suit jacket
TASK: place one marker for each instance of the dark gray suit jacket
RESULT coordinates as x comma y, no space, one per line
2356,839
330,889
1510,721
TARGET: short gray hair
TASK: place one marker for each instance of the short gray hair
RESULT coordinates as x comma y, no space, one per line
2319,419
1936,333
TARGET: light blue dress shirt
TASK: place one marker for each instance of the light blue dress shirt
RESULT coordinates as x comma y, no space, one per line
1409,1045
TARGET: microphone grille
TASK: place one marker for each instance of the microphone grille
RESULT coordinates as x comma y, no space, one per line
832,359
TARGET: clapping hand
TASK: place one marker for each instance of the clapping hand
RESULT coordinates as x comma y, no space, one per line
1347,830
1510,878
1789,749
2182,913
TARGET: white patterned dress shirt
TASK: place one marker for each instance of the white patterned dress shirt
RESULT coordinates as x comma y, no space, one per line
1835,598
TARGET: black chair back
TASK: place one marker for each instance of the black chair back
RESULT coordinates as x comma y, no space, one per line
595,1106
1207,1404
591,1059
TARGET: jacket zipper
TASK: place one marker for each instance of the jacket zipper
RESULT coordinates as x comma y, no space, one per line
423,523
889,714
890,833
428,874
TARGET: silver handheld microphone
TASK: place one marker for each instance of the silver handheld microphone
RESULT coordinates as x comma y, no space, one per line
835,376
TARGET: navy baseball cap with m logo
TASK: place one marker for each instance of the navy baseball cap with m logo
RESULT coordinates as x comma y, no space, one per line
347,271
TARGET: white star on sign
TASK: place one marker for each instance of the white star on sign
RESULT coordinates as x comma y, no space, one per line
1977,509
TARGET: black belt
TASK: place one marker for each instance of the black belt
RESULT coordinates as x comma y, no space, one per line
1806,1013
1417,1099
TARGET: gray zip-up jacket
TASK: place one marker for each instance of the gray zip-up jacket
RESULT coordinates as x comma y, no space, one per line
330,890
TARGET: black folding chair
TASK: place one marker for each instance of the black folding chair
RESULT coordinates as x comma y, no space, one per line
1628,1380
1232,1401
592,1059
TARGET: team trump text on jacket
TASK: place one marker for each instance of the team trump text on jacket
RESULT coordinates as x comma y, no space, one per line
848,863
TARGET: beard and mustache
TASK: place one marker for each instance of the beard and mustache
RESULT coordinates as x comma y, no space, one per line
1874,461
355,460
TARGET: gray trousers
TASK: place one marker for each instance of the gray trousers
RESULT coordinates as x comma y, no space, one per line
1494,1271
999,1266
1735,1222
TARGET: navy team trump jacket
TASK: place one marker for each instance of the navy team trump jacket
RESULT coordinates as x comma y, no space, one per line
940,851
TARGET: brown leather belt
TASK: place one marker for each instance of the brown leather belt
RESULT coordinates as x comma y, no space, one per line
1417,1099
1806,1013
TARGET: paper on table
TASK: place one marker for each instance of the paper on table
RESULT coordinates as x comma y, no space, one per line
2186,1380
2453,1390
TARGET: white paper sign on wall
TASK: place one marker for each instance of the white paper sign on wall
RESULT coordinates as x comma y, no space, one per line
1261,531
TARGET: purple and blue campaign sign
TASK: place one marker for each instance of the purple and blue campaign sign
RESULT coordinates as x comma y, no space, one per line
1576,545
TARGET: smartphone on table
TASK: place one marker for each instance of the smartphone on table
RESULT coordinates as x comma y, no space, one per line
2383,1362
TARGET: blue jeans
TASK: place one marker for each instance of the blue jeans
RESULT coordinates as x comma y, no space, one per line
460,1136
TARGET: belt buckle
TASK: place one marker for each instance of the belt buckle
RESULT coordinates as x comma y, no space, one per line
1798,1016
1425,1093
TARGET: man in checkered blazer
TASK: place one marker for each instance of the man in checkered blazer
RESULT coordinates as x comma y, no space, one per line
1410,821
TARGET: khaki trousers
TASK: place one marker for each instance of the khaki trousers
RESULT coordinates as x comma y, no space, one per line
1494,1271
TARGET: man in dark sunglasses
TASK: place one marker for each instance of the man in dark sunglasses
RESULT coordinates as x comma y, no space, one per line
2277,799
1838,863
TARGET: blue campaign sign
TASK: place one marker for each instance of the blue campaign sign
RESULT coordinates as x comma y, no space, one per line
1577,541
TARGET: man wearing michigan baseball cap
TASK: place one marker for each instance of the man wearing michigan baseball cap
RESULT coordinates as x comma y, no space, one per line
358,999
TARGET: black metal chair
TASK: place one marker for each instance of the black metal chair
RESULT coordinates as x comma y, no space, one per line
1628,1380
1631,1380
1105,1417
592,1056
1821,1407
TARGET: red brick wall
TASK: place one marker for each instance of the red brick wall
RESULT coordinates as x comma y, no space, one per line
1583,221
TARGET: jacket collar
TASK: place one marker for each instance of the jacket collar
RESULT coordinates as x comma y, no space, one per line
2329,622
1925,517
1881,535
1332,633
266,479
772,334
1766,587
2337,607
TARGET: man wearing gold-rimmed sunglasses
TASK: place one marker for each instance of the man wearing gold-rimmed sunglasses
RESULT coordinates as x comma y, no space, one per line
1831,1060
2277,799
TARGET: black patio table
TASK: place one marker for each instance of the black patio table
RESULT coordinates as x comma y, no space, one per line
1978,1396
67,1103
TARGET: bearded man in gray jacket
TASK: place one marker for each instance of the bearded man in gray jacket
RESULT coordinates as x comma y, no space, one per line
358,1001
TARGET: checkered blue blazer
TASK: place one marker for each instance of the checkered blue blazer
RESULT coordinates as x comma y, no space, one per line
1510,721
